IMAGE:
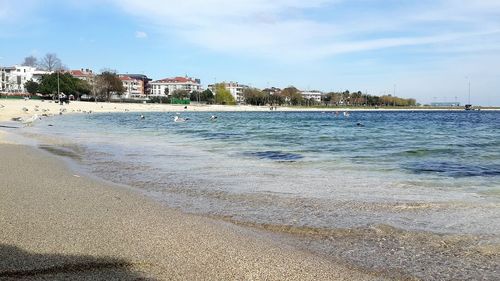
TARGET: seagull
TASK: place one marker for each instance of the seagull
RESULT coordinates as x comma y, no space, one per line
31,120
179,119
213,118
25,109
142,117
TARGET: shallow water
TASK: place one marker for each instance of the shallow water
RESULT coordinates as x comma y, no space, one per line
424,172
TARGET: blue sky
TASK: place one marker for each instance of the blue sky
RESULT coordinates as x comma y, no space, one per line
424,49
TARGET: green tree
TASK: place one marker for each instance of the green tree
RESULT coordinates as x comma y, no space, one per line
223,96
180,94
292,95
31,86
207,96
108,83
255,96
67,84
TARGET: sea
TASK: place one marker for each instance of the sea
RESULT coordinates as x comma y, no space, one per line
405,194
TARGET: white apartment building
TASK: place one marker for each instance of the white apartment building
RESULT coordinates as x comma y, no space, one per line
234,88
134,88
315,95
13,78
177,83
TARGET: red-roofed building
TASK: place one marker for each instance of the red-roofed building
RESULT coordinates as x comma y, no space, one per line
188,84
84,74
134,88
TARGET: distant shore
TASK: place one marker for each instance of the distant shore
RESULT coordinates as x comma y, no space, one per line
14,108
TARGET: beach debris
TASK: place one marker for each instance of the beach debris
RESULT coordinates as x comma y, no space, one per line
2,106
126,110
16,118
76,176
25,109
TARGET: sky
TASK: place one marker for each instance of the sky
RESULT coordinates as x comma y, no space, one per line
428,50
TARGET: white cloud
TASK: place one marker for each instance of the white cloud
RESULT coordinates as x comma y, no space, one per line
141,34
284,29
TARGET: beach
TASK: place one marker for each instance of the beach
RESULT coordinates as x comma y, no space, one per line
59,225
13,108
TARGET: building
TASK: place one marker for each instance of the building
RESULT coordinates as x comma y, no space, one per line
134,88
234,88
314,95
13,78
167,86
146,87
84,74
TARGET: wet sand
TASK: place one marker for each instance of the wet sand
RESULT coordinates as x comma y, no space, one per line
58,225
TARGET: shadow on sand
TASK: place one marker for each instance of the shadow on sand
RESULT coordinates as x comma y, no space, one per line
18,264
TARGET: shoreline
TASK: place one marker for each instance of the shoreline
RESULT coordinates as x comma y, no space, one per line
80,227
14,108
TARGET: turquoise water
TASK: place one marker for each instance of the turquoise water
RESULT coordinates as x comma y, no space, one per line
430,171
403,194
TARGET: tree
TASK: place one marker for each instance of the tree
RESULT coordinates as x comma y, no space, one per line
30,61
166,91
51,62
292,95
107,84
67,84
180,94
255,96
195,96
223,96
207,96
31,86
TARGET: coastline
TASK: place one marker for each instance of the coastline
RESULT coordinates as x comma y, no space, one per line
14,108
60,225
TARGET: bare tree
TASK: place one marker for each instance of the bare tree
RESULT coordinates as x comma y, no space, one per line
51,62
30,61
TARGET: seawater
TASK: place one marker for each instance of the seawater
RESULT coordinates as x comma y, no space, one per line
402,194
424,171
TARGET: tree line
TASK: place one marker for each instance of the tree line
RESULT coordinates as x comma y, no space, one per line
106,84
292,96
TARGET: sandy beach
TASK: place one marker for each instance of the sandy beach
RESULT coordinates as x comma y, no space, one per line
10,108
59,225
